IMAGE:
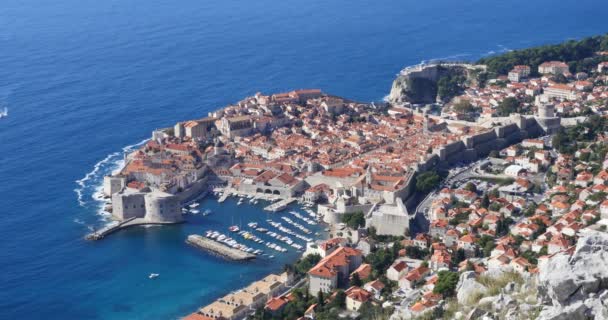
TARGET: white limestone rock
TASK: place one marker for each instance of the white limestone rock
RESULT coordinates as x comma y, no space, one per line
575,311
566,282
503,301
467,285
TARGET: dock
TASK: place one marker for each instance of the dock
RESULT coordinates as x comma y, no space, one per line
278,206
227,193
131,222
101,233
218,248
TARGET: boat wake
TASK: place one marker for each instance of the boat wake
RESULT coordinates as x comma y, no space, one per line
90,188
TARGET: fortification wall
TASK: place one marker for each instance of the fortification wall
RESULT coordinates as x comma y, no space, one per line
113,184
125,206
390,224
332,216
162,207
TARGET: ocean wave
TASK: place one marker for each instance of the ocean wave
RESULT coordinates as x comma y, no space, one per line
90,187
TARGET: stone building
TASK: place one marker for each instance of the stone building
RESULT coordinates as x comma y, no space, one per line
333,271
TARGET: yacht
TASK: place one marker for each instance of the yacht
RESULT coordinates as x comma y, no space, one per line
4,113
153,275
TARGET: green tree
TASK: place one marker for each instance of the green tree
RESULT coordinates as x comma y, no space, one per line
485,201
320,298
470,187
354,220
446,283
339,300
508,106
355,280
427,180
463,106
303,265
450,86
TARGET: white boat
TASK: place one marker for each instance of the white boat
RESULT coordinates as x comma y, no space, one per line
194,205
194,211
4,113
153,275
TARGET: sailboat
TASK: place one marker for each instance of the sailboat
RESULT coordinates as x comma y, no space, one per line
4,113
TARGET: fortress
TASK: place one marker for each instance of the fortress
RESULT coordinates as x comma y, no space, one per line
234,147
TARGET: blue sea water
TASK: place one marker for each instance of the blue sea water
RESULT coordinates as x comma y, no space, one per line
83,79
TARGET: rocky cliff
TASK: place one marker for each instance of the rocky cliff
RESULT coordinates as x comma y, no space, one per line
421,84
567,287
576,287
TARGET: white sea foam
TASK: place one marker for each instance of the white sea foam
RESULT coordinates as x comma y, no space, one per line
90,188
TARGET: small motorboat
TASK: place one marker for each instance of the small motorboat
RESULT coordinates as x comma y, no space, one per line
153,275
234,229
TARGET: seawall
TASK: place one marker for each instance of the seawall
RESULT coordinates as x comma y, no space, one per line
218,248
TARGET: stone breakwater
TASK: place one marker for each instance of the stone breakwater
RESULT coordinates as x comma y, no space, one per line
218,248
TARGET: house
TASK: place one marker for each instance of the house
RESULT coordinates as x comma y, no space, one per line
440,259
583,179
438,228
317,192
498,262
451,238
422,241
197,316
533,143
553,67
325,248
559,207
520,264
557,244
514,170
467,243
334,270
601,177
363,272
397,270
276,304
375,287
413,277
519,73
220,310
355,297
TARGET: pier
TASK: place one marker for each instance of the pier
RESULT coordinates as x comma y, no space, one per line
227,193
101,233
218,248
278,206
131,222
